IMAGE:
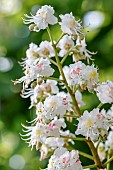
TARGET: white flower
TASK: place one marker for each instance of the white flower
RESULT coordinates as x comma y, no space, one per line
78,96
50,87
105,92
89,77
38,93
69,25
67,133
40,132
110,116
65,44
66,100
101,151
54,142
81,52
33,135
80,74
34,93
40,111
109,141
43,17
41,67
54,106
64,160
68,76
75,71
93,124
44,151
31,56
39,90
46,50
32,52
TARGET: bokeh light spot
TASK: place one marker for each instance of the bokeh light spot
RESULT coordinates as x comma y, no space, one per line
10,7
17,162
22,32
93,19
34,9
6,64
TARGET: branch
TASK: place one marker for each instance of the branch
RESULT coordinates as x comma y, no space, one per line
86,155
97,160
89,166
53,78
108,160
74,138
100,105
53,62
72,116
76,107
60,38
65,57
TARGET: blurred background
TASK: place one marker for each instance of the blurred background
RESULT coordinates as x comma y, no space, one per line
15,37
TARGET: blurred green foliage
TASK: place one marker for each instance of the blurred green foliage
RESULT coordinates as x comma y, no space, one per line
14,40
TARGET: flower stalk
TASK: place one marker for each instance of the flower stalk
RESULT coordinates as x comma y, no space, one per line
97,160
74,101
57,101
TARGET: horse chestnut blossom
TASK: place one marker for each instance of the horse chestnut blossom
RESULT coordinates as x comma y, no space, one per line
93,124
54,106
79,74
40,132
63,159
82,52
57,97
109,141
46,50
43,17
40,67
101,150
31,54
69,25
66,44
105,92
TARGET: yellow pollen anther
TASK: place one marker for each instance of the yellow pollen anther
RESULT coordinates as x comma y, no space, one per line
93,74
89,123
52,104
38,132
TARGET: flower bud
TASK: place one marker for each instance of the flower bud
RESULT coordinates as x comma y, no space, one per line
31,27
33,85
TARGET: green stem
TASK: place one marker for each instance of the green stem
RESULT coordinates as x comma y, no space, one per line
89,166
98,143
53,62
100,105
108,161
49,33
108,158
60,38
76,138
85,155
97,161
72,116
74,101
52,78
65,57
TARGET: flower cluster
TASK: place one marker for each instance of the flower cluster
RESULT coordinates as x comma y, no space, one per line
63,159
57,100
94,124
79,74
